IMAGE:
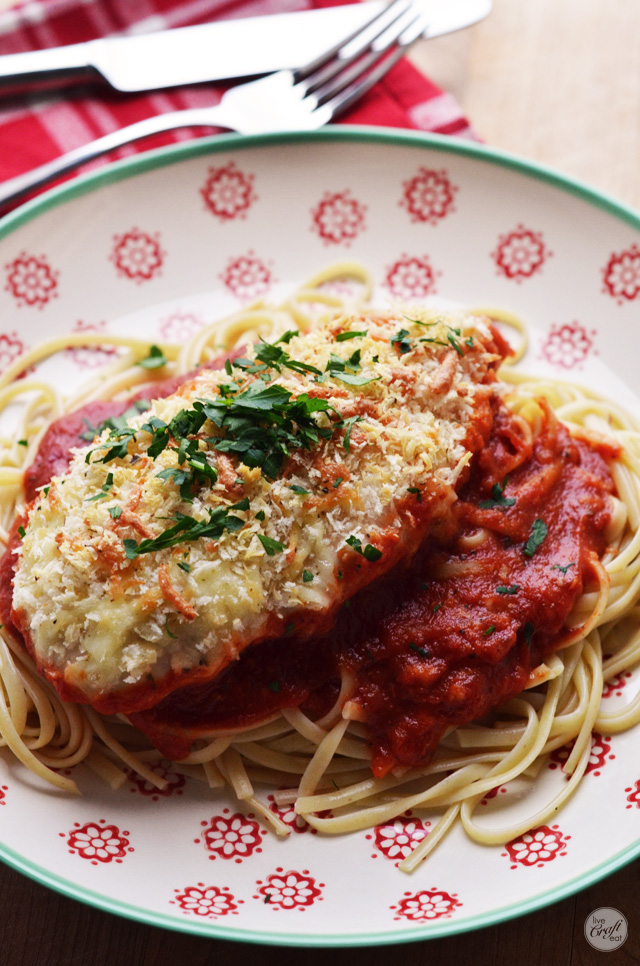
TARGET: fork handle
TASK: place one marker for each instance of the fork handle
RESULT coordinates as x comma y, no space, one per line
16,188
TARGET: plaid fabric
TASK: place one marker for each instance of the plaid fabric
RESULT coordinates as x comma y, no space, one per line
38,128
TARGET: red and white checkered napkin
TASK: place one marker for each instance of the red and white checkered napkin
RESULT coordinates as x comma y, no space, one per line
38,129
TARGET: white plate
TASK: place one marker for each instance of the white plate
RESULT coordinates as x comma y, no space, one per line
162,244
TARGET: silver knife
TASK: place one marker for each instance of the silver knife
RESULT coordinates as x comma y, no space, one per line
215,51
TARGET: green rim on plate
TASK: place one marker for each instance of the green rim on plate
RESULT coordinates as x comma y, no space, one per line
174,154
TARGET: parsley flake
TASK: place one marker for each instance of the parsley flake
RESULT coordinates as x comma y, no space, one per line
344,336
115,512
539,531
419,650
490,629
402,341
417,491
22,531
261,515
369,552
299,489
271,546
513,589
497,501
155,360
337,482
168,629
23,442
186,528
564,567
184,566
307,576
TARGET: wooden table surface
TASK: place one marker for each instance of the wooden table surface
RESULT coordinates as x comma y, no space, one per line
557,81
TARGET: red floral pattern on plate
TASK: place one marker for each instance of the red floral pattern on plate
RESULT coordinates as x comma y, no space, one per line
3,796
426,905
11,348
397,839
90,356
228,192
568,345
520,253
179,327
98,842
175,783
31,280
621,275
615,685
428,196
501,789
289,890
634,794
288,815
232,836
600,754
536,847
137,255
339,218
247,276
209,902
411,277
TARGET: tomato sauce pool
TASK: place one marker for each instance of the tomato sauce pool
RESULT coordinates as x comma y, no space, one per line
434,644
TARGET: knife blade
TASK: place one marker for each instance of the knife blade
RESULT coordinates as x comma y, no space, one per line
216,51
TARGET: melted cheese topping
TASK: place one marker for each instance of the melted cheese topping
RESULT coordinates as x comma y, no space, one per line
108,623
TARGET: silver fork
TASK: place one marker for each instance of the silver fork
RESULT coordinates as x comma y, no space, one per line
290,100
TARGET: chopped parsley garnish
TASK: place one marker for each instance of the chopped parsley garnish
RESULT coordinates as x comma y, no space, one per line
346,370
242,505
168,629
271,546
469,342
114,422
528,633
271,355
22,531
46,491
454,342
419,650
274,686
184,566
539,530
186,528
348,425
344,336
307,576
261,515
564,567
104,490
23,442
513,589
298,489
155,360
490,629
369,552
403,341
418,493
337,482
497,501
115,512
436,608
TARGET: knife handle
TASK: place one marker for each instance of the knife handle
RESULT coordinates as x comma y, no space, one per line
54,66
14,189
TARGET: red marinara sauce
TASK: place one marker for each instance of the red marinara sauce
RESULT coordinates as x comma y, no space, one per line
434,644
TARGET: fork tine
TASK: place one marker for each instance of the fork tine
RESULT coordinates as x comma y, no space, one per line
356,90
352,50
358,66
387,16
